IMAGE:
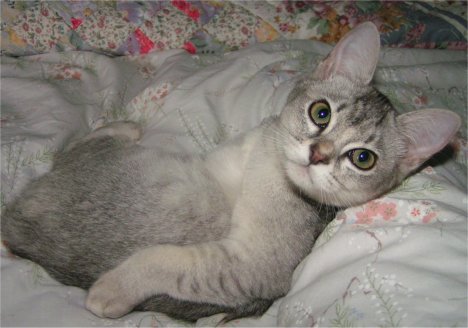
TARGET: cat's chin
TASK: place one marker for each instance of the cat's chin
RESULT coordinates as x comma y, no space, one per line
301,176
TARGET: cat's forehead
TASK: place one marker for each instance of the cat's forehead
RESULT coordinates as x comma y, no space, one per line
371,107
358,104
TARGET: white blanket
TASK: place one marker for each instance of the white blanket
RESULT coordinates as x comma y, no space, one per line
397,261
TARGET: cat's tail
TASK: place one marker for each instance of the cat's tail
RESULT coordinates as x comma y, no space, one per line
192,311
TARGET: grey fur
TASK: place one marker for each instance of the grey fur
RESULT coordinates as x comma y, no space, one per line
221,232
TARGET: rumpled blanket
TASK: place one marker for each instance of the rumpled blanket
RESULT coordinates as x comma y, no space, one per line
400,260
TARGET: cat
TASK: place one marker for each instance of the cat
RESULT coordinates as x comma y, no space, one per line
221,232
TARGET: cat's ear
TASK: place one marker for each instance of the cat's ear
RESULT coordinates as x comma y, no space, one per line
355,56
427,131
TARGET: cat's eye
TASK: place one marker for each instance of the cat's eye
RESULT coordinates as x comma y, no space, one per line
362,158
320,113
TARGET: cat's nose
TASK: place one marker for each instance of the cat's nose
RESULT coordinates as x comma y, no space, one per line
321,152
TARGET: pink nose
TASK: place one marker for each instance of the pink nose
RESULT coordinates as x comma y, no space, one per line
315,157
321,153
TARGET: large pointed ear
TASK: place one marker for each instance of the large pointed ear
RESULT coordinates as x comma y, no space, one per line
427,131
355,56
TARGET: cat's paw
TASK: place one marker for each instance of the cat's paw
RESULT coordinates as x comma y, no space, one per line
108,298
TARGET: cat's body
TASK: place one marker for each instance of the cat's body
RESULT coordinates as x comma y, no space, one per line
180,201
221,232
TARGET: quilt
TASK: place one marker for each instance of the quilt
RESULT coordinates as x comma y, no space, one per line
400,260
120,27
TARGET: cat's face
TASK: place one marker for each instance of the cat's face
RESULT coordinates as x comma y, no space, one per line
342,141
336,147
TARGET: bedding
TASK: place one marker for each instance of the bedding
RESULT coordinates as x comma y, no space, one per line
400,260
138,27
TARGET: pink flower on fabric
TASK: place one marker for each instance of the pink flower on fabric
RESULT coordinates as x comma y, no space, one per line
427,218
160,45
376,209
343,20
364,217
388,211
415,212
193,14
190,47
76,22
148,24
180,4
351,10
423,211
284,27
102,22
373,207
415,32
187,8
145,43
368,214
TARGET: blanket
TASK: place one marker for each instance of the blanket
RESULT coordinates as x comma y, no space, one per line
138,27
400,260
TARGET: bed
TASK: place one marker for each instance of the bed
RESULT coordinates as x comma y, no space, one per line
197,73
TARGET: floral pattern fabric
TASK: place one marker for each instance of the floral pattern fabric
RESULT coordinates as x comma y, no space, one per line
399,260
120,27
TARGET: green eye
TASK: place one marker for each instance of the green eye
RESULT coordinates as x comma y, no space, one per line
362,158
320,114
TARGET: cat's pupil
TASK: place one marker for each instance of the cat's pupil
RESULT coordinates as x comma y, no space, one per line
363,156
323,113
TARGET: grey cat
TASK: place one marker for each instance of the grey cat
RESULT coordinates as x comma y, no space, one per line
223,231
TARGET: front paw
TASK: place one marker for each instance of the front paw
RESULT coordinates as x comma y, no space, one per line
109,298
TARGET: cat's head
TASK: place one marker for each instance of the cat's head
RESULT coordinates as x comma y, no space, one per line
343,142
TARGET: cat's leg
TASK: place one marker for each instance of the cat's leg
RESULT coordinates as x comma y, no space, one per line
247,265
123,129
207,273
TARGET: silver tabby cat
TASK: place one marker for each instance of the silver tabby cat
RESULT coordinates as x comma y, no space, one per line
223,231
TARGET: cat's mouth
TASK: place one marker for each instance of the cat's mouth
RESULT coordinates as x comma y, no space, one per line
299,170
301,174
316,181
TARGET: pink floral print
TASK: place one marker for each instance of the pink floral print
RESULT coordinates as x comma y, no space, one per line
65,72
187,8
376,210
133,27
422,211
40,28
388,210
